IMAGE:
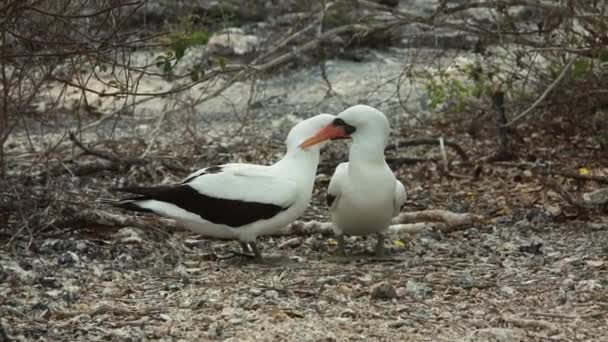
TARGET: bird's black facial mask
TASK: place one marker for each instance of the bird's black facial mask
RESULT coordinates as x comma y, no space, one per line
347,128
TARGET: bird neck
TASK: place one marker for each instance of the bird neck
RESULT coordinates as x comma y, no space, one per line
366,151
298,161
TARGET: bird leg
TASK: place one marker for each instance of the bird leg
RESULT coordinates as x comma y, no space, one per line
255,250
341,250
245,247
380,252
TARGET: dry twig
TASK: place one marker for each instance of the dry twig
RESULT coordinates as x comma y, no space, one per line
543,95
411,223
531,323
428,141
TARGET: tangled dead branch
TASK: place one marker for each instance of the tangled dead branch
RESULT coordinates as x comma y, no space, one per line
433,142
531,323
411,223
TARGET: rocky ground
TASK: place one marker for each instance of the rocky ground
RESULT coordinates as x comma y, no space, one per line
510,282
534,269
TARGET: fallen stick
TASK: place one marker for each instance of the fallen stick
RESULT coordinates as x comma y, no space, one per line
450,218
105,218
531,323
543,95
128,161
428,141
411,223
301,228
566,174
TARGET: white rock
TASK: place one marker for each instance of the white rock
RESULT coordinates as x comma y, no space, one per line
599,196
214,330
595,263
255,291
589,285
214,295
166,317
129,235
272,294
496,334
229,312
232,41
568,284
508,290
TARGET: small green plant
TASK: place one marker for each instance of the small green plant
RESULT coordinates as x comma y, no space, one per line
436,93
455,91
180,40
580,68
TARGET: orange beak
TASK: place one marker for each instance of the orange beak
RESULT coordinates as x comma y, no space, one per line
326,133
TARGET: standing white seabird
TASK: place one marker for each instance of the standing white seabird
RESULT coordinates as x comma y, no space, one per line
240,201
363,195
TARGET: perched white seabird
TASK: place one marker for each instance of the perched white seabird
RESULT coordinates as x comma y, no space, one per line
240,201
363,195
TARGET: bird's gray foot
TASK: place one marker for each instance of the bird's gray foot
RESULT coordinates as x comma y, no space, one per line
245,247
257,255
380,250
248,252
341,249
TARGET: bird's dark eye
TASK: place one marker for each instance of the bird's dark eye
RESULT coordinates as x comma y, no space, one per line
347,128
339,122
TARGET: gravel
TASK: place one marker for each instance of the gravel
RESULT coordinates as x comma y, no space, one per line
134,285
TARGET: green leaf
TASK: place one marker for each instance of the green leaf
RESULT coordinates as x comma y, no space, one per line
199,37
222,62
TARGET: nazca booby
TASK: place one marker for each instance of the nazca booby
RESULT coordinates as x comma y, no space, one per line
240,201
363,195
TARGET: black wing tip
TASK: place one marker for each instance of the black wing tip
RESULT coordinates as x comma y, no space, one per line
133,189
132,206
146,192
127,203
205,171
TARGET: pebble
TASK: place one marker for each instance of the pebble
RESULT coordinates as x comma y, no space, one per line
383,291
568,284
589,285
271,294
471,233
465,280
538,215
508,290
498,335
416,289
228,312
49,281
215,330
255,291
397,324
68,258
165,317
129,235
328,280
348,313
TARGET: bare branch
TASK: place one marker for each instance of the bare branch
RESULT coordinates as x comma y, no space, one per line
543,95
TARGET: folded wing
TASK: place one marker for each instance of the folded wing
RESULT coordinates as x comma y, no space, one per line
400,197
234,195
334,190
